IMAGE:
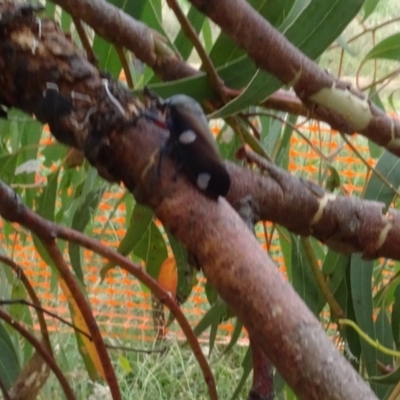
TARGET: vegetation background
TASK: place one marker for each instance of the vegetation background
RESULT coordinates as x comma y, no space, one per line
44,174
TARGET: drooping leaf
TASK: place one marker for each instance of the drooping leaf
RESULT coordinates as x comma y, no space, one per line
213,316
139,224
361,290
82,217
86,347
247,366
9,364
303,280
388,49
369,8
312,32
388,166
396,317
186,273
152,249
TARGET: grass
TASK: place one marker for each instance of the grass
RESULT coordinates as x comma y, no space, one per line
174,374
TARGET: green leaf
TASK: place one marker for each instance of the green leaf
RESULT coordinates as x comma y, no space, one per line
141,219
148,12
108,57
235,75
302,277
20,312
333,181
207,36
298,7
235,335
87,360
389,166
182,43
66,21
388,49
152,250
260,87
186,273
247,366
334,268
82,217
54,154
374,150
47,201
369,8
124,364
9,364
361,290
352,340
312,32
283,148
383,332
396,317
225,49
213,316
8,164
389,379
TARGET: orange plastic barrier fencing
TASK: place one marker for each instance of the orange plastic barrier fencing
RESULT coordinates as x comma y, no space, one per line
121,306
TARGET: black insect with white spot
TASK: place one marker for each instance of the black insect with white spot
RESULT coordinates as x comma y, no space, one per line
194,145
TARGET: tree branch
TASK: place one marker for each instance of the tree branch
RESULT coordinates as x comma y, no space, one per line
331,100
126,148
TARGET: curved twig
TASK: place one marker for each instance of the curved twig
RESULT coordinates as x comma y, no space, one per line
83,305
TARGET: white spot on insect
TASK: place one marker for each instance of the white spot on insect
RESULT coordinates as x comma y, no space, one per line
187,137
203,179
50,86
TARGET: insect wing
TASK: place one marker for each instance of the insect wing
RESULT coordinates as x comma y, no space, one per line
202,163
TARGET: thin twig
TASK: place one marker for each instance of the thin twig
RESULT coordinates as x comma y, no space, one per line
12,208
85,41
189,31
390,76
86,312
374,343
125,66
75,328
372,29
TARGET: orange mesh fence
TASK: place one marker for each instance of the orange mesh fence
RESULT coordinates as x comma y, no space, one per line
121,306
